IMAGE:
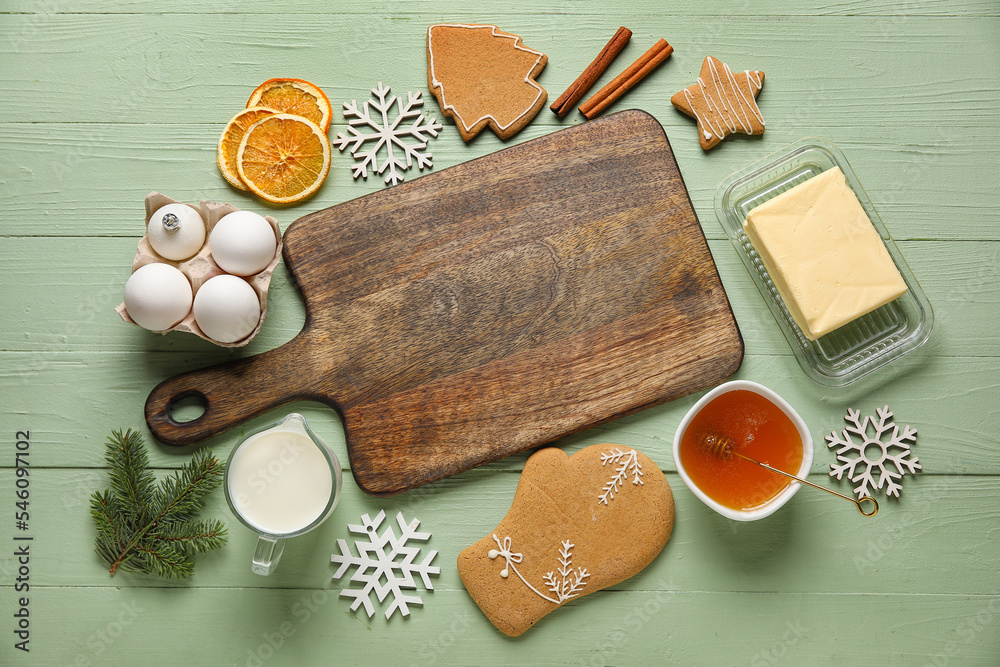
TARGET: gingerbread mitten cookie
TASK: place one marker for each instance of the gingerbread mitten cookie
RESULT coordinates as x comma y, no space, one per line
577,525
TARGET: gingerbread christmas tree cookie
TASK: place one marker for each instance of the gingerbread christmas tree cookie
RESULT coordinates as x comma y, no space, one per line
576,526
722,102
482,76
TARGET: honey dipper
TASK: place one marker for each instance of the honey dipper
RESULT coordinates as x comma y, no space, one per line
722,447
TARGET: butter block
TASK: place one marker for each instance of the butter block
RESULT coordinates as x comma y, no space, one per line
823,254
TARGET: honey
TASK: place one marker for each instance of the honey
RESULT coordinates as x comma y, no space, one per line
757,428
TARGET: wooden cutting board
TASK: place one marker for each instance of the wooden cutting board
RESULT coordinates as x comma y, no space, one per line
488,308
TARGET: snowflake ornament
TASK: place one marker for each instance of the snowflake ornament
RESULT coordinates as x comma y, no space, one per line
387,134
385,564
872,452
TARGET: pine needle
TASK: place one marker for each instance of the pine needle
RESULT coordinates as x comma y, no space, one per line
150,528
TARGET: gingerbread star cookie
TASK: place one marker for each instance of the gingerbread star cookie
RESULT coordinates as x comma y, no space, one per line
482,76
577,524
722,102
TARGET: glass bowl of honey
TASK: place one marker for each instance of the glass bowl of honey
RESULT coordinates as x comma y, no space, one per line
751,421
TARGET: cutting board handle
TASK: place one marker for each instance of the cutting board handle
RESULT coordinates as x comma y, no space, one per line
232,393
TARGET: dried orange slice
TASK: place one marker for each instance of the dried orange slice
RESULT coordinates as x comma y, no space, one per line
229,142
283,158
294,96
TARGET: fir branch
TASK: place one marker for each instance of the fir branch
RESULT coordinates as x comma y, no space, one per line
108,533
165,560
194,536
131,480
145,527
181,493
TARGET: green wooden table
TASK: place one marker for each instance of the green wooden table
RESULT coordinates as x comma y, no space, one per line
105,101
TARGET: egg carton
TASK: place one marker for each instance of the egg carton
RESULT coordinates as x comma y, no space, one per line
201,267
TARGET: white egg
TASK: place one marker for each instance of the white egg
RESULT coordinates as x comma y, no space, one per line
243,243
157,296
226,308
176,231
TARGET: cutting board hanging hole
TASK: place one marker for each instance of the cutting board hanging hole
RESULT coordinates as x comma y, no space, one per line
187,408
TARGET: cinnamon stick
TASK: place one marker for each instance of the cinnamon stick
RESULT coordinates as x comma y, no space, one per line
621,84
594,70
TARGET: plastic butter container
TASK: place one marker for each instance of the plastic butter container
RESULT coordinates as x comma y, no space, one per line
861,346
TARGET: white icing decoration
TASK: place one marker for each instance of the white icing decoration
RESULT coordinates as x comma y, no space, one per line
527,77
629,463
567,586
717,103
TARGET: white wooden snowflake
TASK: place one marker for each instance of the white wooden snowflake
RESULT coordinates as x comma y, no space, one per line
385,564
387,134
871,452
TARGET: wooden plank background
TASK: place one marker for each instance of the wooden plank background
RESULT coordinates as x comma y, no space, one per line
105,101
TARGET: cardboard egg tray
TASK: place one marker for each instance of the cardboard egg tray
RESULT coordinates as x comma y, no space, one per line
201,267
